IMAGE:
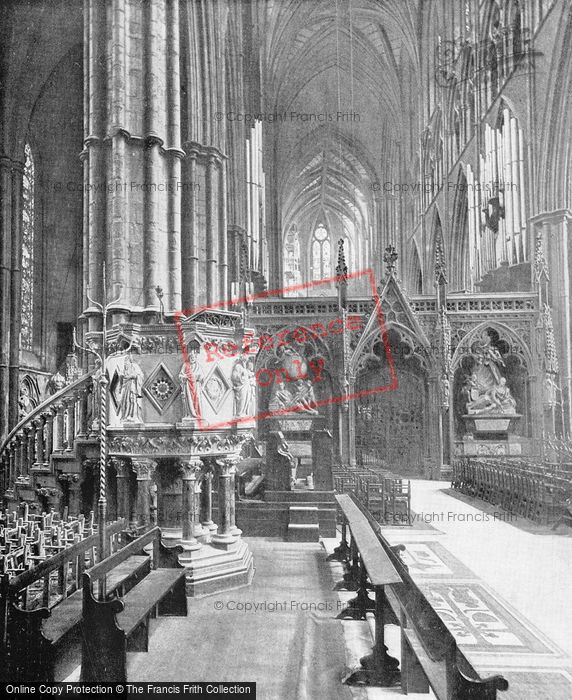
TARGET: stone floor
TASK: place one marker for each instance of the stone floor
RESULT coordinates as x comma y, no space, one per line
281,633
528,566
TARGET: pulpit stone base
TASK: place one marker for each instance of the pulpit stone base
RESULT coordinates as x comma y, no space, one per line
212,569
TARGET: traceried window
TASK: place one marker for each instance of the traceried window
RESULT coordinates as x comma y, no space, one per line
28,250
292,272
321,253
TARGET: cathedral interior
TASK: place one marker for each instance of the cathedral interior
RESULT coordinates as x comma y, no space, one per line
274,272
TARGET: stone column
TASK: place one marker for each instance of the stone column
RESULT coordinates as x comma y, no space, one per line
190,471
49,446
12,464
82,414
5,280
59,428
234,530
70,426
31,446
211,233
21,459
435,425
226,534
39,443
71,485
90,471
123,471
207,502
143,469
15,297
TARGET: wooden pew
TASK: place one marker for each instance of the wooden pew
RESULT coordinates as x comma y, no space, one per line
429,653
116,625
39,629
369,561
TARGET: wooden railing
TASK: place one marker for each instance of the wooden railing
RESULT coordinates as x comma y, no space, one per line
534,490
51,428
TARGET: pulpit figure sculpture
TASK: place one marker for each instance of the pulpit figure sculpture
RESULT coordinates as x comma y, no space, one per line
191,394
244,387
131,385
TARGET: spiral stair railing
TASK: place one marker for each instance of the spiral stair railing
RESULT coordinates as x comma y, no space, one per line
49,429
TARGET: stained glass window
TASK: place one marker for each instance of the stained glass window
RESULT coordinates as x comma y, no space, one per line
28,251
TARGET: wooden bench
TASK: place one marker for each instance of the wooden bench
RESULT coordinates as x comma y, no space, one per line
117,624
429,653
43,605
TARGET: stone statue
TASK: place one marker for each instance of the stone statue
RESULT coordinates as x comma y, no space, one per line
96,395
56,383
496,399
485,389
244,387
25,402
304,397
488,357
72,370
280,463
191,395
130,388
281,397
446,391
501,397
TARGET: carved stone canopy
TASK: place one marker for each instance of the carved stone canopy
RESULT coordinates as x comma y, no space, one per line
141,443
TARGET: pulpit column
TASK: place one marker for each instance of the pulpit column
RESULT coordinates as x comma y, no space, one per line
191,471
227,531
143,469
71,488
91,472
123,471
234,530
207,502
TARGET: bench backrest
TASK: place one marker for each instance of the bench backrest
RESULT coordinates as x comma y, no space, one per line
75,554
435,637
379,567
104,567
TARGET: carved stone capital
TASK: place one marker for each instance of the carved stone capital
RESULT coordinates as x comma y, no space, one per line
121,466
143,468
228,464
90,464
191,468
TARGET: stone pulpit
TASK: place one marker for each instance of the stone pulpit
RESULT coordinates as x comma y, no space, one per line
182,406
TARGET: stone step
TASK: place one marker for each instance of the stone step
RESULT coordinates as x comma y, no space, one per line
300,532
299,496
305,515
